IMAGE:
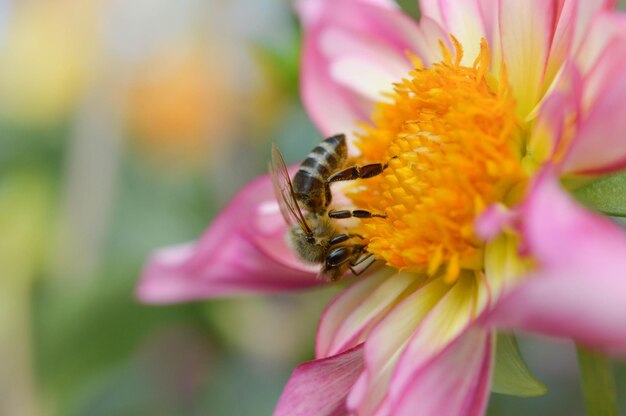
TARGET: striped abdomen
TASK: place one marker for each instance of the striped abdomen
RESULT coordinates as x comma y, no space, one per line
309,182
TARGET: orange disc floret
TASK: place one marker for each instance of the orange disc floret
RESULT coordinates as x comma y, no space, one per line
449,134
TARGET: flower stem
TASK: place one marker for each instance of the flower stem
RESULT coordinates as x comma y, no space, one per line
597,382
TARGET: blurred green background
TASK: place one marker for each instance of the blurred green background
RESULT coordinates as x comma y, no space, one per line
126,126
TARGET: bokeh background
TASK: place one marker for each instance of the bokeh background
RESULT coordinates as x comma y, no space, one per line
126,126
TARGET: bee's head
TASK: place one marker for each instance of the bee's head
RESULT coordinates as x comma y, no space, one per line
310,238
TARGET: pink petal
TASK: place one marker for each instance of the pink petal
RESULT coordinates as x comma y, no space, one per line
493,221
599,145
311,11
526,30
456,382
377,66
244,250
463,19
595,59
603,28
579,287
353,51
319,388
428,47
431,9
566,26
490,11
586,11
387,341
555,228
571,29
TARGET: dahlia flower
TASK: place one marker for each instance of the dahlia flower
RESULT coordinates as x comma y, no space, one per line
490,114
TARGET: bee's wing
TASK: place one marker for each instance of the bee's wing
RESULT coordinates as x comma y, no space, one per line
283,190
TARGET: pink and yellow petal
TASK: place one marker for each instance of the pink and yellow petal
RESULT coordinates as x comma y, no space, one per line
450,317
456,382
490,10
428,46
503,267
556,120
357,325
465,21
386,342
320,387
341,307
526,30
579,286
547,131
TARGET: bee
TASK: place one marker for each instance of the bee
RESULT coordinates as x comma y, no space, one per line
324,165
314,235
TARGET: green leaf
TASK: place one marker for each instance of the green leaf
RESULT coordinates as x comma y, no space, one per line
410,7
597,382
607,195
512,376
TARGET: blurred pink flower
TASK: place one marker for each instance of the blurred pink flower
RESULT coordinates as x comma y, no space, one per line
416,337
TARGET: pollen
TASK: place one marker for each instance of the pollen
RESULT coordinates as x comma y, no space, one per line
448,134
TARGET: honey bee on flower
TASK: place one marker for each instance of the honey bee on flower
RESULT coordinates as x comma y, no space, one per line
314,236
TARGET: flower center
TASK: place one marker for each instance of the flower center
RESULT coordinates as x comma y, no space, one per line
449,135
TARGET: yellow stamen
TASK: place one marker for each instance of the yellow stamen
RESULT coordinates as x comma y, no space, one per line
448,134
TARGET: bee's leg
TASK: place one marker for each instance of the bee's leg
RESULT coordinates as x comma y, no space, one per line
361,260
355,172
342,238
358,172
357,213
